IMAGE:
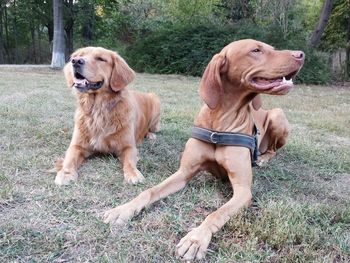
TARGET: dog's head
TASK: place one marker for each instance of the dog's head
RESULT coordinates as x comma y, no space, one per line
252,65
92,69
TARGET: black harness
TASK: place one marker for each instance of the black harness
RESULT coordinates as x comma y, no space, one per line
230,139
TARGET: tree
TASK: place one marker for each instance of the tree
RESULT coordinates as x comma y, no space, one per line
322,22
347,62
58,51
236,10
2,44
337,33
69,24
88,20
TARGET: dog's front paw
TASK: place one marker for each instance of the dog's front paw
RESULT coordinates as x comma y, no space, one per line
262,161
194,244
119,215
133,177
151,136
65,177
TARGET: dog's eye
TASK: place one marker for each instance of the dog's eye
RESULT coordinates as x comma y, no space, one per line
257,50
100,59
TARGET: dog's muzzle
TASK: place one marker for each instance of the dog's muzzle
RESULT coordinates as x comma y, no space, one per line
83,84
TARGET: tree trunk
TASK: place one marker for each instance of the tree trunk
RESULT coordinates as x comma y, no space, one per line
2,47
88,23
15,34
58,57
49,26
347,60
69,28
322,22
34,55
69,33
6,28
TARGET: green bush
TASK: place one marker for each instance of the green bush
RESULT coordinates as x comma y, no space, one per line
187,49
316,69
182,50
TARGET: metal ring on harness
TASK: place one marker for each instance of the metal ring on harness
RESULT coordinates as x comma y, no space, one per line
212,139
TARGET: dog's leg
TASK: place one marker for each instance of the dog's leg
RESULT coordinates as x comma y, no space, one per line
238,166
155,117
74,157
277,129
128,157
194,155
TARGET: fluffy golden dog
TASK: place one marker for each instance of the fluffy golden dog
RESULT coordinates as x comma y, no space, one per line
109,118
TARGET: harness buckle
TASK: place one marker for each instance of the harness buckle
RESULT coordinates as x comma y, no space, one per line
212,138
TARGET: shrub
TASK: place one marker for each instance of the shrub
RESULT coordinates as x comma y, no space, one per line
316,69
183,50
186,49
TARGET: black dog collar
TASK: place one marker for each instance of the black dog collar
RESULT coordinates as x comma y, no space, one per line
230,138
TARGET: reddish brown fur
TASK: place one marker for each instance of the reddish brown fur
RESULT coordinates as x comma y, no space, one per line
227,89
111,119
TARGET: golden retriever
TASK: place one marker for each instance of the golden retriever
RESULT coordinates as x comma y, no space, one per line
109,117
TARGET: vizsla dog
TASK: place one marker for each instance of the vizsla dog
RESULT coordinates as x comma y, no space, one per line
230,88
109,118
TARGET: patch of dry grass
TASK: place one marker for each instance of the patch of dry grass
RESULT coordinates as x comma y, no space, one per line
301,199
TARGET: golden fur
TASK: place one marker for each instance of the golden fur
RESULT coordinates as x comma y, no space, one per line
229,87
109,118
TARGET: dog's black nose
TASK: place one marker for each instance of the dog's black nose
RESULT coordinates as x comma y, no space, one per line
78,62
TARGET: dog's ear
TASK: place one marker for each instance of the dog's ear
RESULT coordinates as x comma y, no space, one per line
121,75
210,88
68,73
257,102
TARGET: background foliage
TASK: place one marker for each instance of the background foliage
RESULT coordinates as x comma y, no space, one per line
175,36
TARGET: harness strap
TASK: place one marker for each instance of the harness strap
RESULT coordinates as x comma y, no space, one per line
230,139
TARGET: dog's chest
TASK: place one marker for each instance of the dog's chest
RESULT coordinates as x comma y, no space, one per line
101,127
101,130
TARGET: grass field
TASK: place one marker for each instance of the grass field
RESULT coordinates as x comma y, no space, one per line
301,208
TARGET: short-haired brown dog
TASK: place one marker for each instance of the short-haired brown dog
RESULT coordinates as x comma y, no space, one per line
230,88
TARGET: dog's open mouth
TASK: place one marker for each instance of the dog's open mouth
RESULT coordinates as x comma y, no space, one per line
279,82
84,85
